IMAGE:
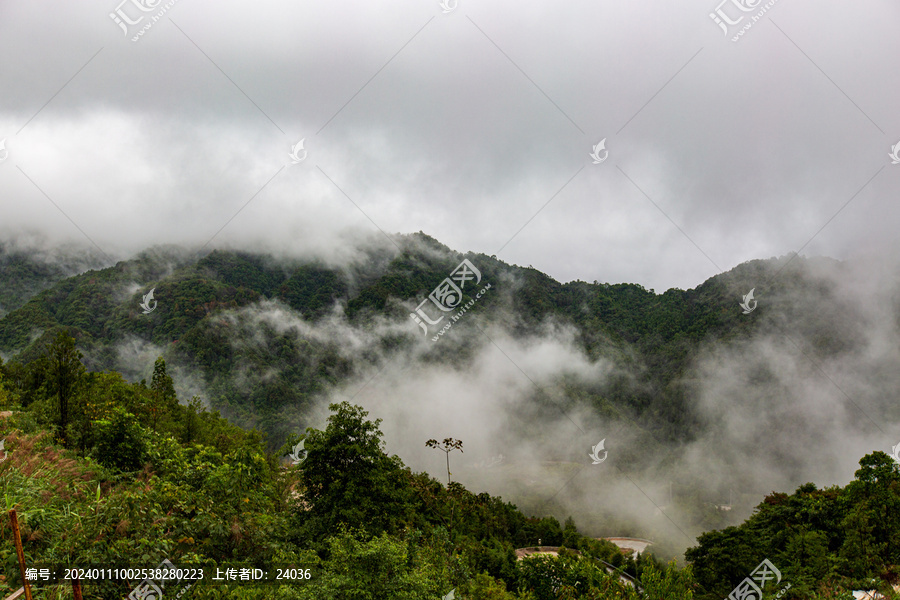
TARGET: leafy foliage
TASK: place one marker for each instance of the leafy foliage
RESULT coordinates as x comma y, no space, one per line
176,480
347,477
836,537
269,374
120,442
126,494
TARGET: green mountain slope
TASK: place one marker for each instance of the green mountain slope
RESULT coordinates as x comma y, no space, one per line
191,488
24,271
216,315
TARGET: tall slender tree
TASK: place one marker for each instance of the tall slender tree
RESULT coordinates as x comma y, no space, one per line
65,374
447,446
162,390
192,421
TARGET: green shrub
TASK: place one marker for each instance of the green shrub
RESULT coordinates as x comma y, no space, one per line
121,442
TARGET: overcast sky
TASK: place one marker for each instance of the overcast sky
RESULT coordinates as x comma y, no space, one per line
473,125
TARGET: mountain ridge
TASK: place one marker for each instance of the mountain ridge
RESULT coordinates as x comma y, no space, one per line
200,300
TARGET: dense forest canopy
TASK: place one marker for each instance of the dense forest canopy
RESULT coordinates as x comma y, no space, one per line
102,471
139,435
209,305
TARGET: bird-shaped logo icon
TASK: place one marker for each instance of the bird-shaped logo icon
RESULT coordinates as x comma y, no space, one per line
601,146
595,452
450,595
296,149
295,455
449,5
895,154
746,303
895,450
2,449
146,303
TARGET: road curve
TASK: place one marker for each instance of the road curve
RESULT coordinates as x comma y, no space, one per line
638,545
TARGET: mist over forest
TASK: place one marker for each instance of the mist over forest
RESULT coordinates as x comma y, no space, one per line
704,410
451,299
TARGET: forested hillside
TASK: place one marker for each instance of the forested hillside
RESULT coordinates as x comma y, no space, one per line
681,385
106,472
24,272
261,332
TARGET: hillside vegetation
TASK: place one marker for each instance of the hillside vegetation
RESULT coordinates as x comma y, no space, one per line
263,334
102,471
